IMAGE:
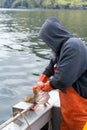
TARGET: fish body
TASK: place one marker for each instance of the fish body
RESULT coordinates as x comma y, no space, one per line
39,97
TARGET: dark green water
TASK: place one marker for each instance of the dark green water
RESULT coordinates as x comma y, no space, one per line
23,56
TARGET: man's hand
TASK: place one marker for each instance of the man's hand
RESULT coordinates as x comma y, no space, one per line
38,86
46,87
43,78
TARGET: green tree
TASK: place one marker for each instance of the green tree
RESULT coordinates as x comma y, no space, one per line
76,2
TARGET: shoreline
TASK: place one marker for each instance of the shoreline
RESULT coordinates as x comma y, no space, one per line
59,8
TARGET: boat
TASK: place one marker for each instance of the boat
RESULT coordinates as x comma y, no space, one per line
44,118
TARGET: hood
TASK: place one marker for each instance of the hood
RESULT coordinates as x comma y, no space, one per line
54,34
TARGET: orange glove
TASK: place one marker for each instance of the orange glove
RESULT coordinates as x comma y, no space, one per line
46,87
43,78
37,86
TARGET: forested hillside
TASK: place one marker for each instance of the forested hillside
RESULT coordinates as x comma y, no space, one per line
44,4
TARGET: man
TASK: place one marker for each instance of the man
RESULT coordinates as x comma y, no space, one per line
70,76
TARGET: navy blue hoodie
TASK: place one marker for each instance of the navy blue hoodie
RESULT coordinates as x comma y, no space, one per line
70,57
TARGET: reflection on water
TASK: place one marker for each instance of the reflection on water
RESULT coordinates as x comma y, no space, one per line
23,55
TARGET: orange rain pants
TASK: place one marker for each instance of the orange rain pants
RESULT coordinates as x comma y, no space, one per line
73,109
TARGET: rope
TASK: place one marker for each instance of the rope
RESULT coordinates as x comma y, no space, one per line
24,117
25,120
16,115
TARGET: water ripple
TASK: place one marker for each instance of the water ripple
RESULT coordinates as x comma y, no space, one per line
6,92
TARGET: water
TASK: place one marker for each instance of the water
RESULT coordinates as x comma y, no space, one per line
23,56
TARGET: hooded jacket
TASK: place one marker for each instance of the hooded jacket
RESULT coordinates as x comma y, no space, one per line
70,57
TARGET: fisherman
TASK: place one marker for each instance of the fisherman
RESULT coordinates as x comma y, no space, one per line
68,72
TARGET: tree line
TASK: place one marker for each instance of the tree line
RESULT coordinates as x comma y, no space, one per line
54,4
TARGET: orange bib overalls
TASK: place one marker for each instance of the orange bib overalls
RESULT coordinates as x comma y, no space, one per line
73,109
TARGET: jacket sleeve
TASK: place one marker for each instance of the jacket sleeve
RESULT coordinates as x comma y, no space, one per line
49,70
69,66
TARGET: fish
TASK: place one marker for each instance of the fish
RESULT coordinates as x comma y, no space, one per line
39,98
